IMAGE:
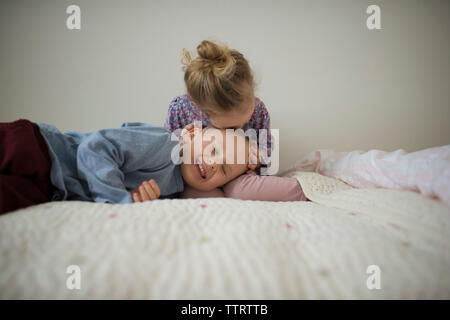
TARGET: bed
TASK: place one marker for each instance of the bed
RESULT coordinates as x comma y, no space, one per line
335,246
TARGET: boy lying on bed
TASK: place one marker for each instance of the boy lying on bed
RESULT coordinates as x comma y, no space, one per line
131,163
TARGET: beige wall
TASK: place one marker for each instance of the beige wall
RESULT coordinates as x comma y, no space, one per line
327,80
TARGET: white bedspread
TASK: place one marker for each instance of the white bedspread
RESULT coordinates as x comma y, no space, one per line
232,249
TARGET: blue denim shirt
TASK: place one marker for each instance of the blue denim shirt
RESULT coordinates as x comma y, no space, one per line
104,166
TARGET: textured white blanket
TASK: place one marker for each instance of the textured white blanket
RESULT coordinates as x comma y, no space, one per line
425,171
232,249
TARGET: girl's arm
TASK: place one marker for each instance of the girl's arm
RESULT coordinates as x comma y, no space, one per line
261,121
264,123
178,114
172,120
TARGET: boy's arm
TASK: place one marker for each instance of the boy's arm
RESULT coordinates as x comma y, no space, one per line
105,157
99,162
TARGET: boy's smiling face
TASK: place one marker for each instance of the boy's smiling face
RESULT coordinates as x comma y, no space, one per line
212,163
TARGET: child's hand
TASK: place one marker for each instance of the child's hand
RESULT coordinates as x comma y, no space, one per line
146,191
188,132
253,159
251,168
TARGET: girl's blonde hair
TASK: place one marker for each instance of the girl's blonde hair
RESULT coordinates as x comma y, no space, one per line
215,79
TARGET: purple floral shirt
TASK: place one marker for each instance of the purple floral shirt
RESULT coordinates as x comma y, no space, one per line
183,112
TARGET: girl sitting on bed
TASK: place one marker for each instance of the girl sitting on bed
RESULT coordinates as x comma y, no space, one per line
133,163
220,93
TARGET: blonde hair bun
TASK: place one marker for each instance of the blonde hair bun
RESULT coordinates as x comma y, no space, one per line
212,50
216,75
217,57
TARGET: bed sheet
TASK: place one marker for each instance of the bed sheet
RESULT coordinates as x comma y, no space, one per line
232,249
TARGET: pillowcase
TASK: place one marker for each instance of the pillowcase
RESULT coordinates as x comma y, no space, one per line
264,188
253,187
